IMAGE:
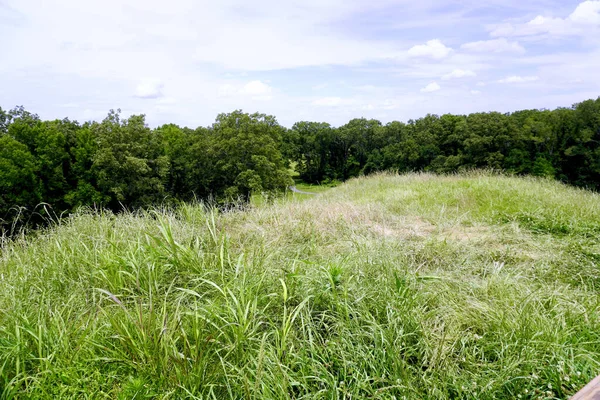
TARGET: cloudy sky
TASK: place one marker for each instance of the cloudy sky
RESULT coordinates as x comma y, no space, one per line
185,61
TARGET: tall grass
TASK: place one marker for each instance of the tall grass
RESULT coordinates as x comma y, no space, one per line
412,286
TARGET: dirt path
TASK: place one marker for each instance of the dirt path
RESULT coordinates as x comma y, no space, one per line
293,189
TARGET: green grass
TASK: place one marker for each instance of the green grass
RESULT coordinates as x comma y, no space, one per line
260,200
415,286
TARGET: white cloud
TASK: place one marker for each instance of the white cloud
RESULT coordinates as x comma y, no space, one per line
459,73
587,13
256,90
353,105
227,90
481,84
367,88
500,45
434,49
149,89
166,101
390,104
475,92
432,87
327,101
218,56
70,105
519,79
107,38
585,17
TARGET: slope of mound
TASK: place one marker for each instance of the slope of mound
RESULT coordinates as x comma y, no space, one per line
413,286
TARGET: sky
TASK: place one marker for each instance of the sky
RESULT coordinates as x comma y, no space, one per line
185,61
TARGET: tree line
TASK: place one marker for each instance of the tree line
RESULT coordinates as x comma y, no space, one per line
122,163
562,144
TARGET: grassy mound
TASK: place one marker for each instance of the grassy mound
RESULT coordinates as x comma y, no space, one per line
412,286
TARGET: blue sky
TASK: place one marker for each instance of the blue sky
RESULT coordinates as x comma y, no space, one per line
185,61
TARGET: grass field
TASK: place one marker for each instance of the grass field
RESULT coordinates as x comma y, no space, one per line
390,287
260,200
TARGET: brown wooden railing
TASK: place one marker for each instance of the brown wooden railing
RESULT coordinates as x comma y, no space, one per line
590,392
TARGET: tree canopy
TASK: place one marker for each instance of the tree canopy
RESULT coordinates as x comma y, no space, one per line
119,163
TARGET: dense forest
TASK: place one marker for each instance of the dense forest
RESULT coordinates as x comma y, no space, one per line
57,166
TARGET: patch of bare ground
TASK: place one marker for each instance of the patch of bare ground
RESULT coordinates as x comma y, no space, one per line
415,227
334,223
338,219
404,228
461,233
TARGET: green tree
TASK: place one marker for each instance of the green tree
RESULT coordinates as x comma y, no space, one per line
129,163
312,145
82,176
190,170
4,121
47,142
357,139
543,167
246,151
19,184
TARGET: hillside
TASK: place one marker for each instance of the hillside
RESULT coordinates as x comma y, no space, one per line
393,286
121,162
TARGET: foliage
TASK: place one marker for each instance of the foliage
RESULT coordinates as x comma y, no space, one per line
129,164
19,183
562,143
118,164
125,164
246,149
312,146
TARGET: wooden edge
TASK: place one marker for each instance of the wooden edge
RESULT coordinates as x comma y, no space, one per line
591,391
